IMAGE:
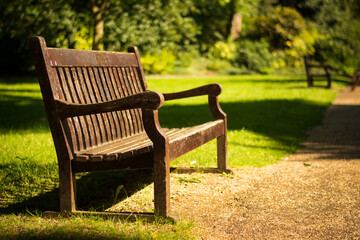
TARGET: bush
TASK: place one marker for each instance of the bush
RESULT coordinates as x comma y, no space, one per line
256,56
222,50
215,64
184,59
283,24
160,63
339,53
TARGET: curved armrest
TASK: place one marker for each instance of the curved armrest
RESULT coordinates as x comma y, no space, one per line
145,100
210,89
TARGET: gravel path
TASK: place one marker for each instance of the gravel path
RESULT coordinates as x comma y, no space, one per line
312,194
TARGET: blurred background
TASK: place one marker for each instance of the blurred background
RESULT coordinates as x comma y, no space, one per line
189,36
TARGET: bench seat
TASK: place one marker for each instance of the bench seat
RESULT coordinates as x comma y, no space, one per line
139,147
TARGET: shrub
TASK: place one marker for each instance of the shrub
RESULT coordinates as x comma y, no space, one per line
222,50
255,55
215,64
337,52
283,24
185,58
160,63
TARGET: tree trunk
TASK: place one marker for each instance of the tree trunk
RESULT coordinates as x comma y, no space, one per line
98,9
234,23
236,26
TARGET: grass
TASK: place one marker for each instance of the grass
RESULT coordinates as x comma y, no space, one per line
268,117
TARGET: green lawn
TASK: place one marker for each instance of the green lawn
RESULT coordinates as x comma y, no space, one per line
268,117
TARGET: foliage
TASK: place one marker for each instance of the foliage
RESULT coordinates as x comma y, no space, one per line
255,55
282,25
217,65
150,25
214,18
20,19
188,29
158,64
222,50
338,53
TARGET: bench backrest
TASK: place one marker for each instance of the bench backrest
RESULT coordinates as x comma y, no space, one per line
81,76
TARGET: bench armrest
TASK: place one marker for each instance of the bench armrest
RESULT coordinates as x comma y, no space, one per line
146,100
210,89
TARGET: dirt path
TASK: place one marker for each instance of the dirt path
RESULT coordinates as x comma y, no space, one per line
314,193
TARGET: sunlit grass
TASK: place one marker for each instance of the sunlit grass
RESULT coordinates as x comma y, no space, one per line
268,117
37,227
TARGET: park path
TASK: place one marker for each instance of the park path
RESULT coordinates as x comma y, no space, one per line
312,194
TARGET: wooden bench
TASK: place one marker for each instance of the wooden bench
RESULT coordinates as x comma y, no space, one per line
103,117
310,75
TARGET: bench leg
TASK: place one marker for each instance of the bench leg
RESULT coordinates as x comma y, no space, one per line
67,191
356,82
310,81
328,78
161,182
222,160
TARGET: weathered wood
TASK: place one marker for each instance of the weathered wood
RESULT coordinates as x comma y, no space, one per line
194,137
308,69
103,117
218,113
147,100
60,57
210,89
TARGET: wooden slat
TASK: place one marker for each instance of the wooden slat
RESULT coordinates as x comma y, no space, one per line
78,132
124,143
107,97
136,89
79,93
73,123
140,161
86,99
61,89
127,92
182,139
96,135
141,87
114,80
113,121
109,87
194,137
119,87
95,94
130,90
102,98
84,58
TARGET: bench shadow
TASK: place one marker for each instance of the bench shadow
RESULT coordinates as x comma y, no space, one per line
22,112
281,120
96,191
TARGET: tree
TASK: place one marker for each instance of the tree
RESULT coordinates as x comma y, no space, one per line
21,19
98,8
150,25
280,26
